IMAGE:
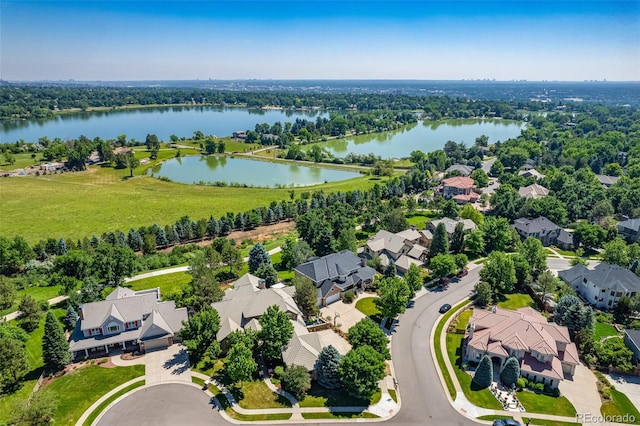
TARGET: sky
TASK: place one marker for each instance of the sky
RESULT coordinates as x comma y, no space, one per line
423,40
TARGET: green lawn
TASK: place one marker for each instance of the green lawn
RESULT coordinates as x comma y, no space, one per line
256,394
418,220
77,390
603,330
327,415
38,293
168,283
544,404
463,319
438,349
320,397
367,307
492,417
393,394
543,422
250,417
516,301
100,408
23,160
619,406
63,210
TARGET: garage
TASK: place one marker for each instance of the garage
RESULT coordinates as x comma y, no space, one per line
331,299
153,344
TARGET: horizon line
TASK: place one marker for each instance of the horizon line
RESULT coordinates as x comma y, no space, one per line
481,80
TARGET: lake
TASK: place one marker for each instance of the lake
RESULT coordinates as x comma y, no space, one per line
136,123
424,136
193,169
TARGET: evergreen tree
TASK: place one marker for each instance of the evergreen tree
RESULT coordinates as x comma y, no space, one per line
571,313
61,248
440,243
71,318
267,272
134,239
258,256
390,271
55,347
484,373
327,368
510,372
457,239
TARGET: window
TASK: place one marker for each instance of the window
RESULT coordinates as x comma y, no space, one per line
613,293
95,331
113,328
610,301
619,294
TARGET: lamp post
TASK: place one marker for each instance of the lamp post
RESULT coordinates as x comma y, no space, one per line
335,317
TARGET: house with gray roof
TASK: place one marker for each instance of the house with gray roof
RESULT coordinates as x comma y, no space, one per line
545,350
126,319
450,226
607,181
544,230
603,285
335,274
630,229
402,248
632,341
464,169
531,173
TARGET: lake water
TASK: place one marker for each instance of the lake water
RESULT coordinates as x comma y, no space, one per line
424,136
136,123
213,168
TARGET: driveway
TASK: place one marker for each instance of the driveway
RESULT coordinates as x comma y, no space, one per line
342,313
629,385
582,391
167,365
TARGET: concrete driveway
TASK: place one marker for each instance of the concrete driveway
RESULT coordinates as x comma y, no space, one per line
167,365
628,385
344,314
582,391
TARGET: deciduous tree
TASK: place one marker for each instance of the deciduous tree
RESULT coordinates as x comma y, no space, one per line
500,273
276,332
367,332
8,292
13,363
306,296
296,380
240,364
199,334
360,370
393,295
30,313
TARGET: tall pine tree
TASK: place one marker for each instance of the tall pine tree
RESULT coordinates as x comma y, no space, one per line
258,256
457,239
55,348
327,368
440,243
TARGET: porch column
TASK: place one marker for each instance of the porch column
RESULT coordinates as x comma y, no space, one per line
106,348
122,343
86,353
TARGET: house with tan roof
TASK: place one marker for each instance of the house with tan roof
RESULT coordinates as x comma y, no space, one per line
545,351
126,320
402,248
533,191
531,173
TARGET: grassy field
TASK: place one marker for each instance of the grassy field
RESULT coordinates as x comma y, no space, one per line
516,301
100,408
619,406
544,404
256,394
603,330
77,205
38,293
168,283
76,391
367,307
418,220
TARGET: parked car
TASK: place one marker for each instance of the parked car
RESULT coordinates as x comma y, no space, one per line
464,273
445,308
506,422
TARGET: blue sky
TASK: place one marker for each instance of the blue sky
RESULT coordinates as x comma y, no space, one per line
430,40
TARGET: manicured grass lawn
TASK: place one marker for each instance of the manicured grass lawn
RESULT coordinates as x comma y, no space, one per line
22,160
362,415
543,422
463,319
63,210
418,220
619,406
38,293
33,346
603,330
438,349
320,397
168,283
209,368
393,394
492,417
250,417
100,408
544,404
256,394
77,390
367,307
516,301
565,252
8,402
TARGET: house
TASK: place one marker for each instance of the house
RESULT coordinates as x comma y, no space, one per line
543,229
240,135
529,164
533,191
630,229
127,319
50,167
603,285
545,350
632,341
335,274
449,225
460,188
462,168
402,248
122,150
607,181
531,173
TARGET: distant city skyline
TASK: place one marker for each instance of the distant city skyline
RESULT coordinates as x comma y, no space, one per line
307,40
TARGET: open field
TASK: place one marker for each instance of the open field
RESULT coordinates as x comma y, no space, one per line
39,293
75,205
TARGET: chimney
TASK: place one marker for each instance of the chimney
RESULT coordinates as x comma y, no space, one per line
262,284
363,261
472,328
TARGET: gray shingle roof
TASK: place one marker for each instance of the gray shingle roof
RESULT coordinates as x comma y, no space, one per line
537,225
462,168
565,237
302,350
605,276
607,180
634,336
130,308
155,327
633,224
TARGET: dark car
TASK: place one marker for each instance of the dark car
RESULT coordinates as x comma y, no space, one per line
444,308
506,422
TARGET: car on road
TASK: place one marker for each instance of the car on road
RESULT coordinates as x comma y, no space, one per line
506,422
445,308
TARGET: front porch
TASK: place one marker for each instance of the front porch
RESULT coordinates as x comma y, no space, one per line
106,350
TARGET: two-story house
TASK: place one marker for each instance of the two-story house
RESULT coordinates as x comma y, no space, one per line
460,188
125,320
544,230
630,229
603,285
403,248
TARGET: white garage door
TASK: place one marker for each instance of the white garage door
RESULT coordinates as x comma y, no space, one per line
334,298
150,345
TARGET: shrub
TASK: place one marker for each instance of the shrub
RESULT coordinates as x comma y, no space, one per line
348,297
484,373
296,380
521,383
278,371
510,372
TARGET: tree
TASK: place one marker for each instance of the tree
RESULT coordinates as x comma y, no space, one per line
37,411
571,313
450,209
276,332
367,332
153,145
246,336
394,221
461,260
360,370
510,372
327,368
624,308
393,295
590,236
240,364
204,284
30,313
497,234
499,271
534,254
413,278
199,334
306,296
257,257
10,331
480,178
71,318
615,252
440,242
268,273
470,212
294,253
546,283
9,158
55,347
442,265
506,202
457,239
474,242
483,294
130,161
391,270
613,352
497,168
13,363
8,292
296,380
484,373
